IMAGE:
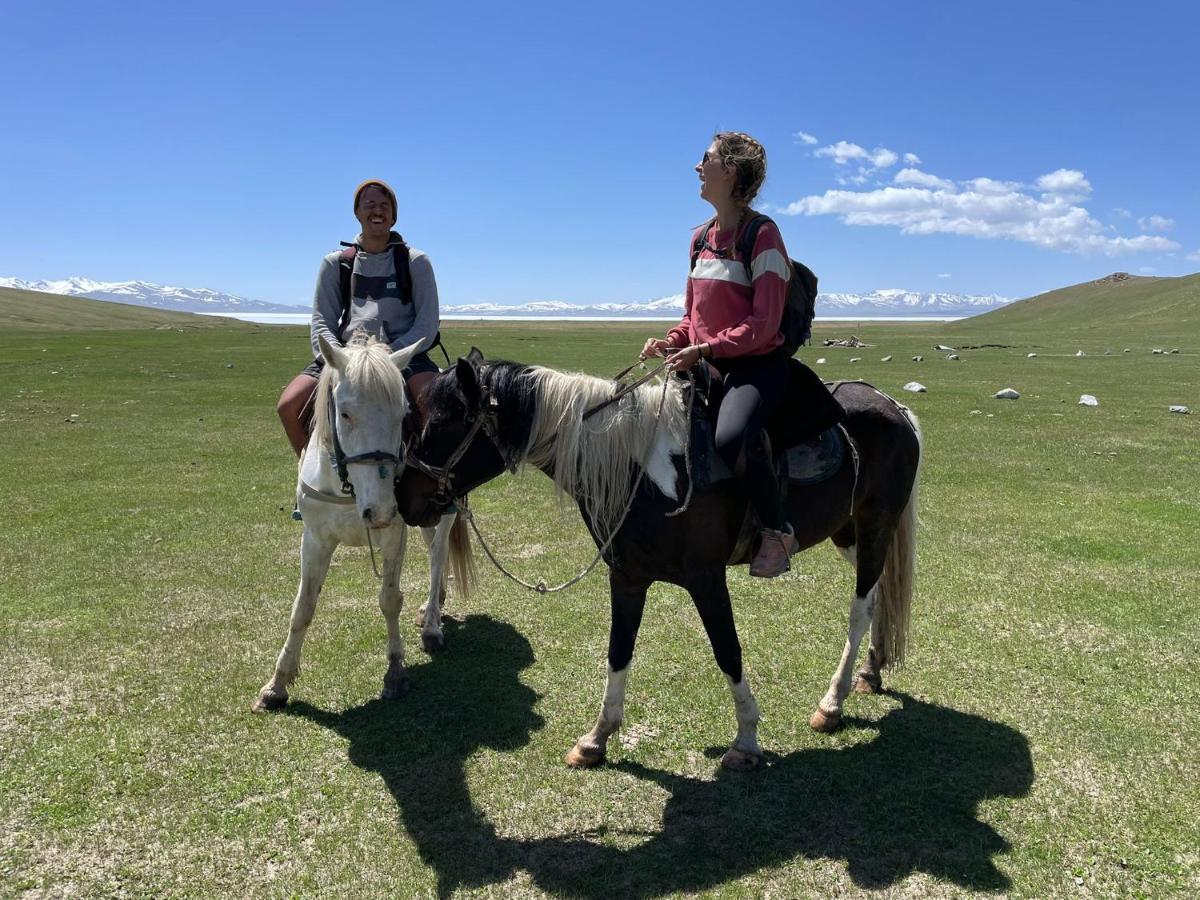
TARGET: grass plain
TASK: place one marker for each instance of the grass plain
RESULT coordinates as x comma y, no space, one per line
1040,741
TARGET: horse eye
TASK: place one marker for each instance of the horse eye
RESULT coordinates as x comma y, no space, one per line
346,416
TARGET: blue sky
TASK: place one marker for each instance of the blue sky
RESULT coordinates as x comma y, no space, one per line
545,150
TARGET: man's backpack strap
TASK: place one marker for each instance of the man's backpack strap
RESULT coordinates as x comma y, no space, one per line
400,262
345,284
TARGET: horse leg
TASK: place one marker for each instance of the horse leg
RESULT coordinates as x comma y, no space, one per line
437,540
710,594
314,564
868,680
391,600
869,677
628,600
867,558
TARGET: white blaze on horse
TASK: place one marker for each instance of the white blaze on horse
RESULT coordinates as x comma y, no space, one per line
346,494
625,469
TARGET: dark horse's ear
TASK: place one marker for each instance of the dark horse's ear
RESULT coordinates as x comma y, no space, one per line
466,370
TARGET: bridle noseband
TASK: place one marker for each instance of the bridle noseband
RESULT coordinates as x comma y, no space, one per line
341,461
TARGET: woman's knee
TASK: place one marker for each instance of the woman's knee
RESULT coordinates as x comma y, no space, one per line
729,445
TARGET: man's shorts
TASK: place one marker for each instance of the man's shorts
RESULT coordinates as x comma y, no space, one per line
419,363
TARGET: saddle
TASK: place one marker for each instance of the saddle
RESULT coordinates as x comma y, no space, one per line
806,443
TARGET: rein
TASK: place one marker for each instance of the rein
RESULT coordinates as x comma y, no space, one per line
629,387
541,586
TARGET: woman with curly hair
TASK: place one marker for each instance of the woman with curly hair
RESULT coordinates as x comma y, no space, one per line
731,319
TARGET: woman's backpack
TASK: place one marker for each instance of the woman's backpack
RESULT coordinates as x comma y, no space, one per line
799,307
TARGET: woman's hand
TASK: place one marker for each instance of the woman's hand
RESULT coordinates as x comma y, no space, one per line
655,347
684,359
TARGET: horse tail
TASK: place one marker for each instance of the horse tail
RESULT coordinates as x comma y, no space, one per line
462,558
896,582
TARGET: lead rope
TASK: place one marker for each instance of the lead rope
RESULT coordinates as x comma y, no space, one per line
687,446
541,586
371,544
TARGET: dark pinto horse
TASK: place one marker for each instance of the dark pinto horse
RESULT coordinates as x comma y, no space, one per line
624,467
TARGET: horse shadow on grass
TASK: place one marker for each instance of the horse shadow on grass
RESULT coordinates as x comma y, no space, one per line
462,700
900,803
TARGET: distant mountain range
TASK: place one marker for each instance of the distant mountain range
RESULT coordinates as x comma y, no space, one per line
891,302
143,293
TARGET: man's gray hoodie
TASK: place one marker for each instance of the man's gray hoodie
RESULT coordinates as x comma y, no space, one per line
376,306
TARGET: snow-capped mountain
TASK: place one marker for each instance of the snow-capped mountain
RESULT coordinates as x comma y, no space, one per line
143,293
890,302
898,302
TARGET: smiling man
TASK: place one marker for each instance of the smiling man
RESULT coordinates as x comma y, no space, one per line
377,285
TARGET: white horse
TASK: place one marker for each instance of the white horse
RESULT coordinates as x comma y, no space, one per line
346,495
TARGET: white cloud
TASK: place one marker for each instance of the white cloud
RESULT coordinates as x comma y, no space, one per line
912,159
1122,213
1069,184
922,179
992,187
944,275
844,152
1147,270
1156,223
1194,257
882,158
804,137
987,209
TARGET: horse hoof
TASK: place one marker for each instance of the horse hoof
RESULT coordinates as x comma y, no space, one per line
395,687
825,721
432,643
868,683
740,761
581,757
267,701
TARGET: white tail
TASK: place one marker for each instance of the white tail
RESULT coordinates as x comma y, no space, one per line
896,582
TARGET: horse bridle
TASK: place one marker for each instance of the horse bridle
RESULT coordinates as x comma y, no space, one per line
342,462
445,492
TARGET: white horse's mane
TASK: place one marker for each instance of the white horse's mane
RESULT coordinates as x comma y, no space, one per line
368,365
595,461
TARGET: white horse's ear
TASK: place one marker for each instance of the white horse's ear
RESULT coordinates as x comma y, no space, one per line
334,356
404,356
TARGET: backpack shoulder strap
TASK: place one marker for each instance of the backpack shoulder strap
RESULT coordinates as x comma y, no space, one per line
401,261
345,283
700,242
745,242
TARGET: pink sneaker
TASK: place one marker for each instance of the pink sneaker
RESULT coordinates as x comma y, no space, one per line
773,553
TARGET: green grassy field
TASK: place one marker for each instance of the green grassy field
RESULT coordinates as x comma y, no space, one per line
1040,741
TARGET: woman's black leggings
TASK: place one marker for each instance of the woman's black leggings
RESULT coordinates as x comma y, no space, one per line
754,387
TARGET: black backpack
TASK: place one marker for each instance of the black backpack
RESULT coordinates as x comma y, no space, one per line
801,303
403,276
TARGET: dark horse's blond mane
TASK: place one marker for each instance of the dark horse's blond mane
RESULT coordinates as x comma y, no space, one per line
595,461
